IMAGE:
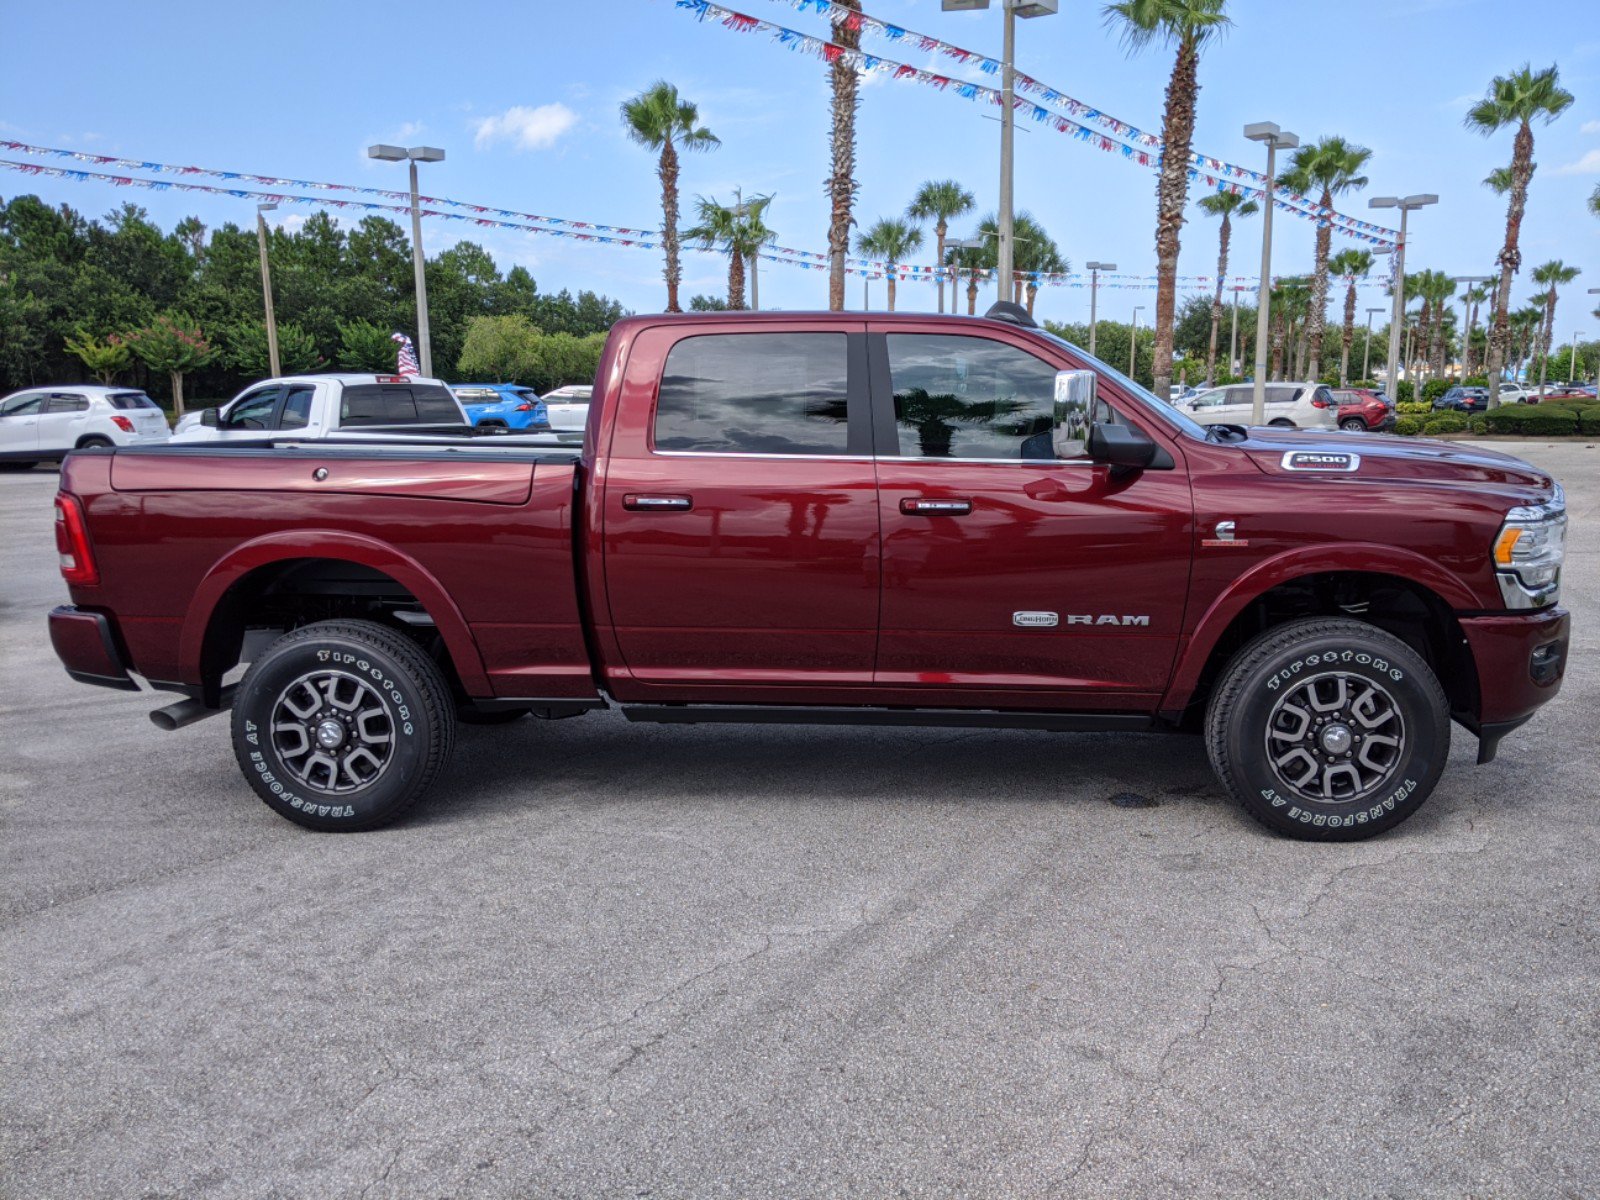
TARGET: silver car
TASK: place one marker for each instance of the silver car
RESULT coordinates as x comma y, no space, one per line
1288,405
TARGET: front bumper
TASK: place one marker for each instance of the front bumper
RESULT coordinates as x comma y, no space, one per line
1520,660
87,645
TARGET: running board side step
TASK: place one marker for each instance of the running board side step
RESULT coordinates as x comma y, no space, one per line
956,718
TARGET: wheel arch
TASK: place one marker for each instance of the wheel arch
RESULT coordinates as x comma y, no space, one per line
1405,594
215,622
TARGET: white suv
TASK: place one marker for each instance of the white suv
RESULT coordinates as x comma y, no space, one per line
1289,405
49,423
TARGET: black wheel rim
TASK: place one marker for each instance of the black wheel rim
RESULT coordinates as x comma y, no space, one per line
333,731
1335,738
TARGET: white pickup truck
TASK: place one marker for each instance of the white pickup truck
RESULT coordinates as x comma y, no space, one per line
315,406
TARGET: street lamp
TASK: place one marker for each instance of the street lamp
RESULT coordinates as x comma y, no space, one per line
971,243
266,287
1012,9
1406,205
1466,308
414,155
1366,362
1094,286
1133,342
1276,139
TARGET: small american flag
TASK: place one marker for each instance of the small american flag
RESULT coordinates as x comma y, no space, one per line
407,365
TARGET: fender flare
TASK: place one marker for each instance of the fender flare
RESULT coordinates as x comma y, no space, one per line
1366,558
334,544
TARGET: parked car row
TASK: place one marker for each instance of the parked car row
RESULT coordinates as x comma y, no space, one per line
47,423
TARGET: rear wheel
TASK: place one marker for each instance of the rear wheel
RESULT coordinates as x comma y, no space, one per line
1353,425
342,725
1281,423
1328,729
93,442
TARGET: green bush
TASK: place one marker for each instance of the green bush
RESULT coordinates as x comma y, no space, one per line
1445,422
1475,381
1589,423
1408,426
1540,420
1435,388
1413,408
1405,392
1478,423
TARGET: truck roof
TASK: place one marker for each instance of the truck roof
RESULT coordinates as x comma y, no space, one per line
351,378
790,317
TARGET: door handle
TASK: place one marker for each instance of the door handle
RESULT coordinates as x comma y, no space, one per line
636,502
918,506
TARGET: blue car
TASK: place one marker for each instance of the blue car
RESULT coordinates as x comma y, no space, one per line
502,406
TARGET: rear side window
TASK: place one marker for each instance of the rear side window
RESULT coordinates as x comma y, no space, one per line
130,400
1324,394
397,404
66,404
296,412
755,393
1278,394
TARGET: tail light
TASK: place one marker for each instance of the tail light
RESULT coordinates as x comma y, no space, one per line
72,542
1318,403
524,407
123,424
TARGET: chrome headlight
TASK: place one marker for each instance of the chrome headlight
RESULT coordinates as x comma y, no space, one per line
1528,552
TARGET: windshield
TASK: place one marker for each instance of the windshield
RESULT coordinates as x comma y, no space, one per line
1161,409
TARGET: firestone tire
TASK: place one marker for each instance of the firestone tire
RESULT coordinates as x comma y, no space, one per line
1328,730
341,726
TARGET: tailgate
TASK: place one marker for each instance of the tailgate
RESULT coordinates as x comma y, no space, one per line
304,471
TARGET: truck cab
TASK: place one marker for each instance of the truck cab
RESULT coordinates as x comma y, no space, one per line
319,406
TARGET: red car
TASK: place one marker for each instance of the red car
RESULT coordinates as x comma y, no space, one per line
831,518
1362,410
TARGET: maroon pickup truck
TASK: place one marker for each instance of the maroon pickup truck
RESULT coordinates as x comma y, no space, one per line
831,518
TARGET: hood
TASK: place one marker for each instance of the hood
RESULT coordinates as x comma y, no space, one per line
1310,454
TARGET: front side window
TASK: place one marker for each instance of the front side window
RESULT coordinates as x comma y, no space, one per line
957,396
755,393
1211,399
22,406
253,411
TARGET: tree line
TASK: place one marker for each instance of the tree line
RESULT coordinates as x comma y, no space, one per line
122,300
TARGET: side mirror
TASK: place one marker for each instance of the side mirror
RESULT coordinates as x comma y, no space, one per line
208,418
1075,394
1125,448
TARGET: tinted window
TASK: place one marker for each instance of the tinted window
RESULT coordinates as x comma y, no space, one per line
755,393
397,404
66,404
22,406
127,400
970,397
254,410
296,409
1280,394
1324,394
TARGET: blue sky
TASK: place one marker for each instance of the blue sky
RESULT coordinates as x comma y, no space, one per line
524,99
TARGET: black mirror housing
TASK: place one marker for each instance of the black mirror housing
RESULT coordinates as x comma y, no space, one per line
1124,448
208,418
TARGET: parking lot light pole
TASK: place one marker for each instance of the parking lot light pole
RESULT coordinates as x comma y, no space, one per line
266,288
1406,205
1276,139
1094,286
1133,342
1233,334
413,156
1011,10
971,243
1466,311
1366,364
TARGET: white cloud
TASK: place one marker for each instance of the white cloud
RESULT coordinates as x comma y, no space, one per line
525,128
1589,127
1589,164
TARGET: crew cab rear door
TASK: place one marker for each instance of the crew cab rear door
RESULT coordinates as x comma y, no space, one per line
739,518
1012,577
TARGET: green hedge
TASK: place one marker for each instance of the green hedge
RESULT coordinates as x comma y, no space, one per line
1408,426
1589,423
1435,388
1478,423
1413,408
1541,420
1445,422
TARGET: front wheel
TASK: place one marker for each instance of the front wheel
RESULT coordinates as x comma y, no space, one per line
1328,729
341,725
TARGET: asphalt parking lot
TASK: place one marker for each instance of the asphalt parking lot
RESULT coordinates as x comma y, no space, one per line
614,960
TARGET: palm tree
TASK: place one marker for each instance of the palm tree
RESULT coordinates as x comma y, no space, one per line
1498,180
843,84
1475,297
1226,205
892,241
938,201
1289,300
1187,25
659,120
1517,100
1553,274
1594,200
971,259
1330,167
1436,288
738,231
1352,265
1524,326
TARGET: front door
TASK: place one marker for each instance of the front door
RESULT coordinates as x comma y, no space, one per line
740,517
1012,577
62,421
